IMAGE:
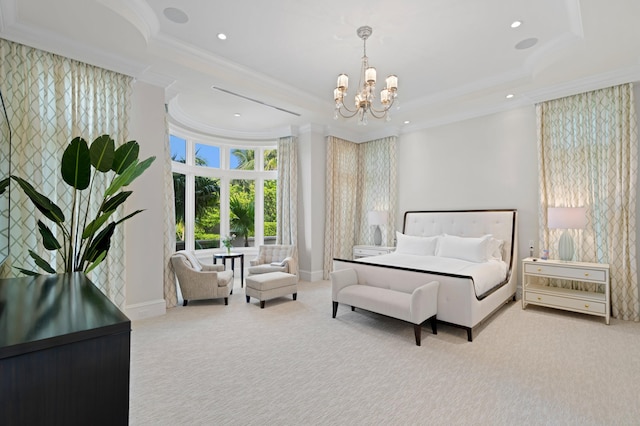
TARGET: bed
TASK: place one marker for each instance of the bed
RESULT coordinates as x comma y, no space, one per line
472,254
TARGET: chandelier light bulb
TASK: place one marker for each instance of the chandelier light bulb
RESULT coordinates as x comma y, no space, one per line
365,93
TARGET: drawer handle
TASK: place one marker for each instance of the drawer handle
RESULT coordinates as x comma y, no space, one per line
539,269
586,274
586,305
539,298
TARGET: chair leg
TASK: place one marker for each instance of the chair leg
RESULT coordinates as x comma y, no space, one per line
262,304
434,325
295,296
226,301
353,308
335,309
417,330
185,302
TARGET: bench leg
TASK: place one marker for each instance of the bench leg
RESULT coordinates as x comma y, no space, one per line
353,308
262,304
470,334
434,325
226,300
417,330
295,296
335,309
248,299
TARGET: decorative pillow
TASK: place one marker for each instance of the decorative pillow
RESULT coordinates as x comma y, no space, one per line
470,249
494,249
410,244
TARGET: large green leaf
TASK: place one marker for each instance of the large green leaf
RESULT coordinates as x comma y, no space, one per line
42,203
41,262
76,164
101,243
4,184
102,152
125,155
28,272
129,216
49,241
129,175
113,202
96,262
96,224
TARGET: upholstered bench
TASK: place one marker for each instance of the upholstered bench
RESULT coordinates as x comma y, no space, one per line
271,285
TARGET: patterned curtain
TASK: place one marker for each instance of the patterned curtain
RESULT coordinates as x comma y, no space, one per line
360,178
50,100
287,192
170,291
378,188
588,157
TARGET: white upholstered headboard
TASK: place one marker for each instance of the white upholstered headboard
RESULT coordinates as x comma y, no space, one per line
466,223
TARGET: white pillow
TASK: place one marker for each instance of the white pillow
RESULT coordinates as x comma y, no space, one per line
410,244
494,249
470,249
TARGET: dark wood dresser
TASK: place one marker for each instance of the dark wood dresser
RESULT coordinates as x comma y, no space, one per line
64,353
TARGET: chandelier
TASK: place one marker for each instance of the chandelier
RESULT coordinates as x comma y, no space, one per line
366,90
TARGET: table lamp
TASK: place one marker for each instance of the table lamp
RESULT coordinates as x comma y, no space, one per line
566,218
377,218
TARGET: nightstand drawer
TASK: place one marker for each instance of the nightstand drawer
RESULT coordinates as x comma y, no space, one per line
368,252
567,273
566,303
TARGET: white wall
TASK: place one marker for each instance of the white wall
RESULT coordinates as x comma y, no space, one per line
482,163
144,236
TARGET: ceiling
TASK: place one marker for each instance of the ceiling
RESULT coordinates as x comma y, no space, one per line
454,59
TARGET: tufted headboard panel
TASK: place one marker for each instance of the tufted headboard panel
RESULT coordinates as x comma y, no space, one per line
466,223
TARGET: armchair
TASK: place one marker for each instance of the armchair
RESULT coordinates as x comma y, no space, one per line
275,258
200,281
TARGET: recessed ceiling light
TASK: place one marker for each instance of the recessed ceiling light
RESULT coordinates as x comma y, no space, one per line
509,96
237,114
176,15
516,24
222,36
406,122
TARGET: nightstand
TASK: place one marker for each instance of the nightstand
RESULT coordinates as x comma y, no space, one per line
366,251
586,302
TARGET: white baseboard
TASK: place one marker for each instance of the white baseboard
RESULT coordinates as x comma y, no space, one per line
311,276
145,310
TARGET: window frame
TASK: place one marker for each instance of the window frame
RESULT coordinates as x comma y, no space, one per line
226,175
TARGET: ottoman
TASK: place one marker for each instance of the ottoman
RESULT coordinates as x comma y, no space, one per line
270,285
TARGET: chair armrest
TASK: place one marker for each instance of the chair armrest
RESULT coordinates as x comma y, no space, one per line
207,267
341,279
291,264
254,262
424,302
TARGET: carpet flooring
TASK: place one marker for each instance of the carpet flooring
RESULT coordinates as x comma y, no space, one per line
293,364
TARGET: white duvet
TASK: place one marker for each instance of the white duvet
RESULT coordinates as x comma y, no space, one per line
485,275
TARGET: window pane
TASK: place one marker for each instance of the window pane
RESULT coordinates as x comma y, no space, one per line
207,156
269,211
271,159
207,213
178,188
241,209
178,149
242,159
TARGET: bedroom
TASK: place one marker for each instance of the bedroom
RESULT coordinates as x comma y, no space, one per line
443,165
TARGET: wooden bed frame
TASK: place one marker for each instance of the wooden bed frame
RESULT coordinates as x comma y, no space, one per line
458,303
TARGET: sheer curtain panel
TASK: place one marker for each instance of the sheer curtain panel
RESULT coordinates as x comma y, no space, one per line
588,157
51,100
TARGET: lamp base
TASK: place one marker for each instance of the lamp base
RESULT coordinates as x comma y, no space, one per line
377,236
565,247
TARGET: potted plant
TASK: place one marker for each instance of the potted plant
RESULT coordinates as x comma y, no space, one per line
86,240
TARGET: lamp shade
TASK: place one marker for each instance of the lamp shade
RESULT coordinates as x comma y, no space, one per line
566,217
377,217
